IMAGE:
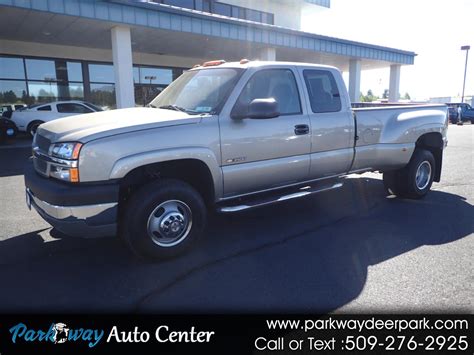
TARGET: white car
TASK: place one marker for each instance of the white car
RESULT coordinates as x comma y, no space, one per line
28,120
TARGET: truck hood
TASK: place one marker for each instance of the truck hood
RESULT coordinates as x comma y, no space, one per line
87,127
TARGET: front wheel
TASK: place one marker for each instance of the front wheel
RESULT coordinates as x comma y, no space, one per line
163,219
415,180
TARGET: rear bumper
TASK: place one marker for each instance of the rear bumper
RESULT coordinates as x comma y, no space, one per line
80,211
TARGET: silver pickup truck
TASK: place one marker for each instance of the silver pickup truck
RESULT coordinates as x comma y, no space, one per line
228,136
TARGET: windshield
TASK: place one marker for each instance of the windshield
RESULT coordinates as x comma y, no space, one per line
198,91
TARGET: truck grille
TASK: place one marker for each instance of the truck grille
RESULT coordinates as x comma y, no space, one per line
40,165
42,143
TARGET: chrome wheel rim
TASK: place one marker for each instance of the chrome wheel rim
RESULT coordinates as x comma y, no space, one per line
423,175
169,223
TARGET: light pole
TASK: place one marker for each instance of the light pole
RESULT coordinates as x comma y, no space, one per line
150,90
50,80
151,77
465,48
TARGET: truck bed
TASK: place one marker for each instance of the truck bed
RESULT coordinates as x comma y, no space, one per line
384,131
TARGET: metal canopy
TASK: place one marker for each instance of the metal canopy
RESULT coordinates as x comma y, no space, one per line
162,30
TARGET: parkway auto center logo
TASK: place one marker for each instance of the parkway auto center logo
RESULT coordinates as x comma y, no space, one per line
61,333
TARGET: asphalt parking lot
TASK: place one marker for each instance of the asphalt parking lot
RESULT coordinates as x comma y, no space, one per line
349,250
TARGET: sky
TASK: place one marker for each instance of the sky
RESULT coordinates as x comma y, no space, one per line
434,29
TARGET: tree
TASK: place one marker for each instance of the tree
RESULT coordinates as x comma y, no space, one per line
9,97
29,100
369,97
406,96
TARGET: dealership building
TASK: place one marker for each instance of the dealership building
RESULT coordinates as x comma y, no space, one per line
121,53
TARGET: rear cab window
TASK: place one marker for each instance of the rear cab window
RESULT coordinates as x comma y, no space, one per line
44,108
322,89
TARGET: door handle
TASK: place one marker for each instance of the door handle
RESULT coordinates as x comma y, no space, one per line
301,129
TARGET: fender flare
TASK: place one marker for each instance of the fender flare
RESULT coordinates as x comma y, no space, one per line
126,164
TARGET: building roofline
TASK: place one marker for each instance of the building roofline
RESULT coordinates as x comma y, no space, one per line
165,17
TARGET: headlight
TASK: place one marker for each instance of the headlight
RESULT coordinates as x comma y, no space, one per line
66,169
66,150
65,173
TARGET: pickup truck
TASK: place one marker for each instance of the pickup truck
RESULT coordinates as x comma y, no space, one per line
225,136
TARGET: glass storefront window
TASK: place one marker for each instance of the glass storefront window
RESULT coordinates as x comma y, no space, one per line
136,75
163,76
39,69
12,92
103,95
103,73
74,71
43,91
73,91
11,68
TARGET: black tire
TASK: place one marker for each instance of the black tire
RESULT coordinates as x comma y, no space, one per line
143,209
415,180
32,127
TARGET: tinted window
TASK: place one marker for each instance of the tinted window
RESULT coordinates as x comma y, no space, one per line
277,83
12,91
11,68
103,95
43,92
222,9
74,71
267,18
189,4
203,5
73,108
44,108
254,15
39,69
156,76
72,91
322,90
103,73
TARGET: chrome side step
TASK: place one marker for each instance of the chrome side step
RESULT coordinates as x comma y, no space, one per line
258,201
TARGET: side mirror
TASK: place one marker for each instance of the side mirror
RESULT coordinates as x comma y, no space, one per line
258,109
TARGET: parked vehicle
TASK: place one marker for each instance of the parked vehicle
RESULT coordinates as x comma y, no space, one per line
225,136
8,129
467,112
7,109
28,120
453,114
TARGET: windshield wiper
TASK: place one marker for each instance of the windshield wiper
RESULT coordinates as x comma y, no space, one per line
173,107
181,109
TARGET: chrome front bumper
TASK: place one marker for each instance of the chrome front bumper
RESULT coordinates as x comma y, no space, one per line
89,221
